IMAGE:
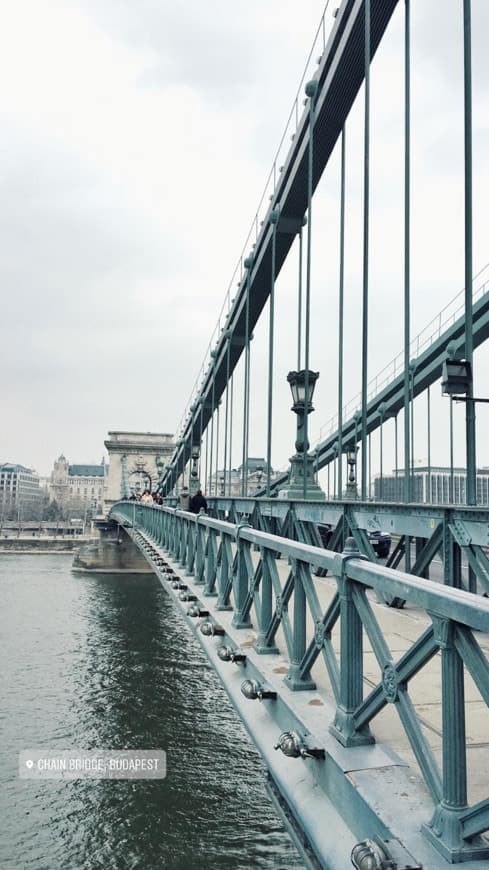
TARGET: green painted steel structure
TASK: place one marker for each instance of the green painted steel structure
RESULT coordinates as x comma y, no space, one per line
230,566
344,67
447,532
230,558
425,371
330,97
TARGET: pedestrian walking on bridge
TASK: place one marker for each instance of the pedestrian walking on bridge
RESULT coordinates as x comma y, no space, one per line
198,502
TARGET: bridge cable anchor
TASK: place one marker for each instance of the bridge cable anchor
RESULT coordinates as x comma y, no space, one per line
253,691
294,746
228,654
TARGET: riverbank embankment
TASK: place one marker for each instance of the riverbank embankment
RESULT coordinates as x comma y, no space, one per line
43,544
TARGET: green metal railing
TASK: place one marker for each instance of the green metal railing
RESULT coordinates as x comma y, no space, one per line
237,565
455,536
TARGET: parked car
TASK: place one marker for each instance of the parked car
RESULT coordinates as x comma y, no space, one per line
381,541
325,531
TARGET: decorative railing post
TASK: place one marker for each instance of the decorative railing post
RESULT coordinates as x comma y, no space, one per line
452,560
174,535
224,571
140,517
199,554
266,607
165,520
296,679
445,829
168,531
161,528
191,536
182,540
210,564
351,656
241,581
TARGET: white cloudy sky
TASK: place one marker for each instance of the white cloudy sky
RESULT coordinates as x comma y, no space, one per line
136,140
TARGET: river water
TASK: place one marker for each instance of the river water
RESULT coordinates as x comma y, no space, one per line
103,662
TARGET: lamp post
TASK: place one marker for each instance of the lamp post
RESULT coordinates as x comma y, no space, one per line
351,491
457,385
177,472
194,470
160,467
301,475
259,474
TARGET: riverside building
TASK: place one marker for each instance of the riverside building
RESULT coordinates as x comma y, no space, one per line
433,485
78,485
19,489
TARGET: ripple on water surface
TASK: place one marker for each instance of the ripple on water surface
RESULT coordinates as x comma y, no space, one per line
96,661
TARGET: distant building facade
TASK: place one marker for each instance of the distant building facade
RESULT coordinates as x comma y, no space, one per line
80,486
433,486
256,478
19,489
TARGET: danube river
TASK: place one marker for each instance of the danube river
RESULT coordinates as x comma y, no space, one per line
103,662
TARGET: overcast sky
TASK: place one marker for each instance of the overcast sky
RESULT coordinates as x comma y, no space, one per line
136,141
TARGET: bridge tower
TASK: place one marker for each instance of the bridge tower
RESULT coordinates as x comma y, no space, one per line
136,462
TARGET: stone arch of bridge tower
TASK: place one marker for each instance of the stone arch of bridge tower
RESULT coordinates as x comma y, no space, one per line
130,453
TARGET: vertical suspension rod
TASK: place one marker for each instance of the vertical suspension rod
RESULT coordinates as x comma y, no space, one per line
396,471
246,404
311,91
200,440
299,305
274,217
231,433
366,194
469,338
212,416
451,491
206,461
226,412
428,412
216,489
407,246
340,315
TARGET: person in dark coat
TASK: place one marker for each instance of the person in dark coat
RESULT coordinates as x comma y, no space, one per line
198,502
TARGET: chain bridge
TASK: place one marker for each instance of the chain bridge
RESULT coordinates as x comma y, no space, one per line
362,676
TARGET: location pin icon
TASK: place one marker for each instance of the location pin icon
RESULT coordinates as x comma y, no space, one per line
29,763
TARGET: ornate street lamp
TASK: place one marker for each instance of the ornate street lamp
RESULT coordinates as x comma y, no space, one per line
259,474
177,469
194,470
301,475
160,468
351,458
